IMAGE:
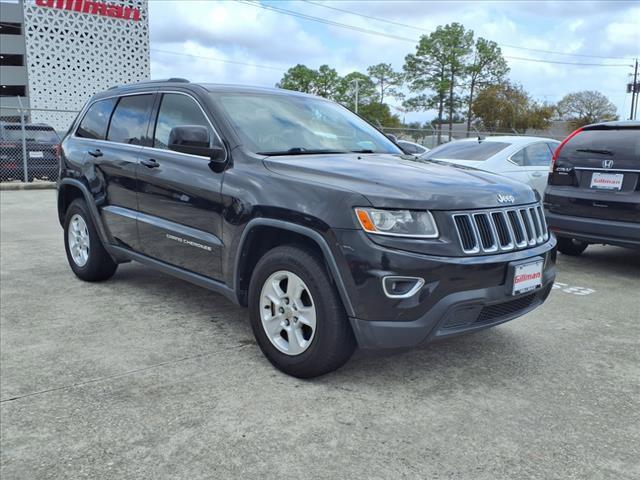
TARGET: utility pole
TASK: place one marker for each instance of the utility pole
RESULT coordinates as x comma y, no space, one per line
634,94
355,81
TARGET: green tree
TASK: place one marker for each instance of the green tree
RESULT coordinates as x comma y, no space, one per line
583,108
487,66
506,107
386,80
439,65
327,82
379,114
346,92
299,78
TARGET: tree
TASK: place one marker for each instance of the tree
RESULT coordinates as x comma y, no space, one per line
346,92
438,65
299,78
327,82
486,67
379,114
583,108
506,107
386,80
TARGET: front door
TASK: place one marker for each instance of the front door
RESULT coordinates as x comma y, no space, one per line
179,195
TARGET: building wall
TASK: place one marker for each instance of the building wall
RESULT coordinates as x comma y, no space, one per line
72,55
11,12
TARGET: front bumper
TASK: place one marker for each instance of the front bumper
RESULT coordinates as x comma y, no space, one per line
591,230
460,294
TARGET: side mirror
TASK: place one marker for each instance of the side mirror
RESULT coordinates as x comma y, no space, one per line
194,140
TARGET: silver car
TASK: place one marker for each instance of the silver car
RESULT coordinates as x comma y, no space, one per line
525,159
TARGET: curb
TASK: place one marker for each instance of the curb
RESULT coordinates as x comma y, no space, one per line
28,186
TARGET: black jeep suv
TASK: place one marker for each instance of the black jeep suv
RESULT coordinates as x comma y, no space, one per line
295,207
593,193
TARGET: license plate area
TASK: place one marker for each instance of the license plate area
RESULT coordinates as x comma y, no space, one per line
525,276
607,181
36,154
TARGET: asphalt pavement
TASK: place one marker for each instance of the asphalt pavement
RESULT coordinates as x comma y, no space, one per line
145,376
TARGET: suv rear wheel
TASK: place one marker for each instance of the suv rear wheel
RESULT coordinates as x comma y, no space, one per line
86,256
571,246
296,314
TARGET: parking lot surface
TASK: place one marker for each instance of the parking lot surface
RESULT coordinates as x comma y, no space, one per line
145,376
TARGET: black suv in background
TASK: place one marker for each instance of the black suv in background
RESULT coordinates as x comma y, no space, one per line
297,208
42,144
593,194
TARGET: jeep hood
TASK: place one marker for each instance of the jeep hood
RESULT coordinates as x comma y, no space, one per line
394,181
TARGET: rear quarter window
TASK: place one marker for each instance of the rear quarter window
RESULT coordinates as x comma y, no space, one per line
95,122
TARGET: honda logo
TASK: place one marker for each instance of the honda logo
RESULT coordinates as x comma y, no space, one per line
607,163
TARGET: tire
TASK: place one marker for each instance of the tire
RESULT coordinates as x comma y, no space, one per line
571,246
90,262
315,351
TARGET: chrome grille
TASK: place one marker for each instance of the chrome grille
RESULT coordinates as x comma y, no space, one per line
501,230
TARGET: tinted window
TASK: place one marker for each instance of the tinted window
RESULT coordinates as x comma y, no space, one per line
130,120
538,155
623,144
466,150
279,124
96,120
176,110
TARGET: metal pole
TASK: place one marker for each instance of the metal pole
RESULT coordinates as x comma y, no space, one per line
24,144
355,80
634,94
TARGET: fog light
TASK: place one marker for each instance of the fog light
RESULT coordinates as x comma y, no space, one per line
401,287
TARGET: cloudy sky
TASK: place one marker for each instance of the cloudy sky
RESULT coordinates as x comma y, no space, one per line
247,43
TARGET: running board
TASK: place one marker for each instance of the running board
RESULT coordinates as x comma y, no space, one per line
195,278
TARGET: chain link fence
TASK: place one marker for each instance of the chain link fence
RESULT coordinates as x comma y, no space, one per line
30,143
428,137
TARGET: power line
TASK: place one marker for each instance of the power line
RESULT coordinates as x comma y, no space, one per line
397,37
420,29
223,60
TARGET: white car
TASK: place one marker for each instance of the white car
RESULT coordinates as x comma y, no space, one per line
412,148
526,159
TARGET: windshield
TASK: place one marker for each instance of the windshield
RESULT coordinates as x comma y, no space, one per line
465,150
32,134
290,124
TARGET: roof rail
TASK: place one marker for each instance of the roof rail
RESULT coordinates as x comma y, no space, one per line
162,80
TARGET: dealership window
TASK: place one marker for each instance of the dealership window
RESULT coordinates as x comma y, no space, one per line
9,28
176,110
13,91
11,60
130,120
96,120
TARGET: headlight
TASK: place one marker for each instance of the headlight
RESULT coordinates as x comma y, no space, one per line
399,223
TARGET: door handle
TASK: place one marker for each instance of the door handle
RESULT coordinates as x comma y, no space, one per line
95,153
150,163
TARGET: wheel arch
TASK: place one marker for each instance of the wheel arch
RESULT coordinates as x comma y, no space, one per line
262,234
70,189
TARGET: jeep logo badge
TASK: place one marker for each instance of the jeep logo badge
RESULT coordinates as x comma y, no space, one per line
607,163
506,198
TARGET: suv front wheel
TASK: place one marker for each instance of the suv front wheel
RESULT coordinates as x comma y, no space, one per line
86,256
296,314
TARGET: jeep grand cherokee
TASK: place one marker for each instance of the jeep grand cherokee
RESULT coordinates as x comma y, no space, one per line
297,208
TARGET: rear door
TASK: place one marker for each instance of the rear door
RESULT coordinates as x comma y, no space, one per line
597,174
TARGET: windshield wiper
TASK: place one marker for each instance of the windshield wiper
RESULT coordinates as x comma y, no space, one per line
301,151
364,150
601,151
